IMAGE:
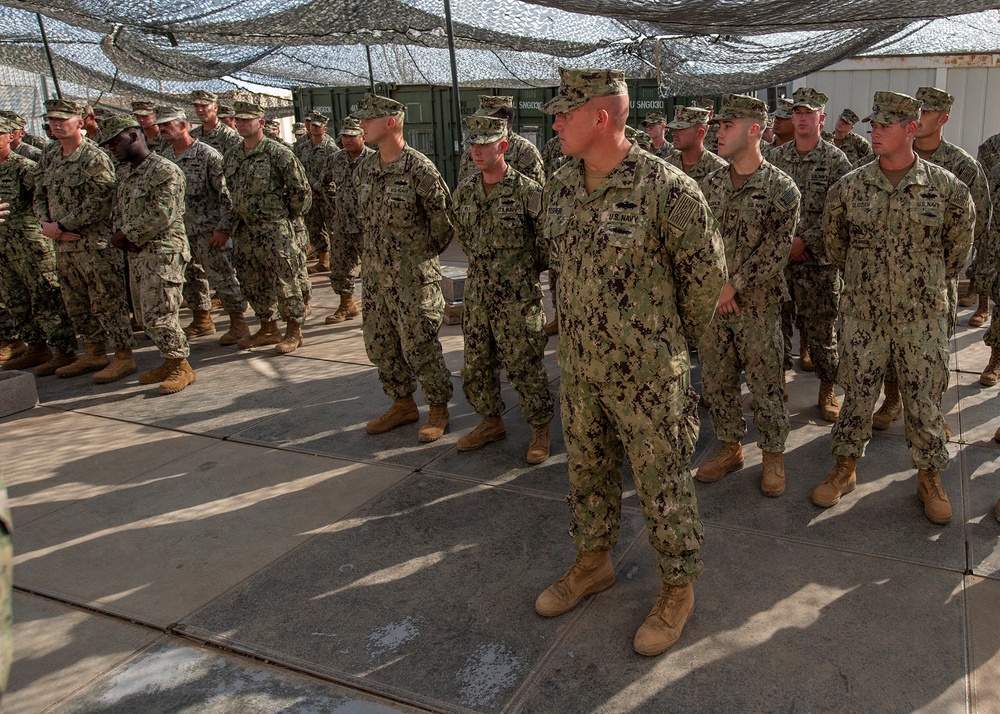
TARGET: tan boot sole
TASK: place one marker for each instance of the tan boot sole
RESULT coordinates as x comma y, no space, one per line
835,501
472,447
713,479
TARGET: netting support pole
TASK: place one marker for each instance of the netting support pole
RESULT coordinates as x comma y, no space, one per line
456,102
371,72
48,54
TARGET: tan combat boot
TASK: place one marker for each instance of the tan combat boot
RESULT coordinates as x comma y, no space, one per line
932,494
982,312
892,406
991,374
996,436
665,622
437,422
490,429
996,511
403,411
829,408
94,358
968,300
772,483
180,375
268,334
590,573
347,310
541,444
728,458
121,366
552,328
156,375
11,348
292,339
842,479
59,359
238,329
323,264
805,358
38,353
201,325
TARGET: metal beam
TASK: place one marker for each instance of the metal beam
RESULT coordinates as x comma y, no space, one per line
48,54
456,100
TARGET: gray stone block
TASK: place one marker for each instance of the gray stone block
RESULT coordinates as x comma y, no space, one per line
453,283
17,392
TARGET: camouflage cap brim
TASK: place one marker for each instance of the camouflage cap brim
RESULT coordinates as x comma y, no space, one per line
561,105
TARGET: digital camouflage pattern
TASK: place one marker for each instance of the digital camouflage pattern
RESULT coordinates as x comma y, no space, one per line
899,250
640,266
991,257
404,212
208,207
29,281
687,117
521,155
757,222
988,155
28,151
220,137
854,146
317,160
270,194
552,156
934,99
577,86
157,281
503,320
707,164
345,234
639,137
489,104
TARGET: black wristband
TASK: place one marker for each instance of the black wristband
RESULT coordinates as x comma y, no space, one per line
61,227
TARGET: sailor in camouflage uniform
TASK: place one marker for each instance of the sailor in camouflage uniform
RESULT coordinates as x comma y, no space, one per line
781,125
73,188
29,281
854,146
270,194
316,156
757,207
655,125
149,227
521,154
900,228
552,156
227,117
497,219
405,218
814,165
345,231
304,139
212,131
208,211
17,144
711,140
989,244
145,113
688,129
641,266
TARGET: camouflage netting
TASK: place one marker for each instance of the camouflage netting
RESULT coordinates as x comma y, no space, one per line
116,50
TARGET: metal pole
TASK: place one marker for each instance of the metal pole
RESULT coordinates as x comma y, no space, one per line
456,102
371,73
48,53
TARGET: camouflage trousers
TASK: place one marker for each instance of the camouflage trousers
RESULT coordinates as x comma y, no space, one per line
345,254
212,268
29,289
157,283
815,293
302,274
93,288
270,262
747,342
919,351
401,338
656,426
510,335
316,225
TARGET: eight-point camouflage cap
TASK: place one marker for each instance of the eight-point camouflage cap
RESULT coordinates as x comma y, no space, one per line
166,113
850,117
6,125
705,103
489,104
892,108
654,118
741,106
272,125
14,118
247,110
144,108
810,98
351,126
115,125
375,106
225,111
319,119
63,108
685,117
298,128
485,130
578,86
935,100
200,96
784,109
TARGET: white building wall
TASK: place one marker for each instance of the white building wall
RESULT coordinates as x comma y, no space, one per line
974,80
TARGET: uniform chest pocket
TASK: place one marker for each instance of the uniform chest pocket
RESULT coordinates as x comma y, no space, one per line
511,231
927,218
260,172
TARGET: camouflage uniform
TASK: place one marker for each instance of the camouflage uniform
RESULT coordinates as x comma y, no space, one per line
855,147
29,152
149,210
76,192
707,164
988,154
521,155
552,156
640,268
221,137
503,321
815,283
345,233
36,141
208,207
29,281
898,248
757,222
988,251
270,194
406,223
317,160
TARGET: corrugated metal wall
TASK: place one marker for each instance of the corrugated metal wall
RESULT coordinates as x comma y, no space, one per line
974,80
